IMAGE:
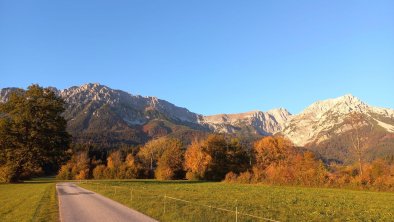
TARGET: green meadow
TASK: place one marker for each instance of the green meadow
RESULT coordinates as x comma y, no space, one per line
208,201
29,201
205,201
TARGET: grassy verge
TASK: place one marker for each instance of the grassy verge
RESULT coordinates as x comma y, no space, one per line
273,202
29,201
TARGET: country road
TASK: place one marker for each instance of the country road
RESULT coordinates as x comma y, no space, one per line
78,204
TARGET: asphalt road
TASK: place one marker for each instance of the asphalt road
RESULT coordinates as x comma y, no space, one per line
78,204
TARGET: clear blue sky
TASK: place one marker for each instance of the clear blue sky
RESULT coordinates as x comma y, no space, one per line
208,56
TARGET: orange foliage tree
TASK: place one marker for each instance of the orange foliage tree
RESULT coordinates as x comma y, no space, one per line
278,161
270,151
76,168
360,129
197,160
151,153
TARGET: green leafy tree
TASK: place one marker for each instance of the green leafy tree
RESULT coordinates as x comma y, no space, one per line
226,155
32,132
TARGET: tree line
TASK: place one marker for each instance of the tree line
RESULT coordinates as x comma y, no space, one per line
164,159
270,160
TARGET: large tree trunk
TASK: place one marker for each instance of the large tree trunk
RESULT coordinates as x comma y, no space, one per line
16,169
15,174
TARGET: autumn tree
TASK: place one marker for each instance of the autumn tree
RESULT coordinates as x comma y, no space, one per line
307,169
114,161
359,133
117,167
215,156
272,150
131,167
170,163
32,132
151,152
76,168
277,161
99,172
196,161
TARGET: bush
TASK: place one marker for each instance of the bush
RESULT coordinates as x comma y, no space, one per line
245,177
193,176
230,177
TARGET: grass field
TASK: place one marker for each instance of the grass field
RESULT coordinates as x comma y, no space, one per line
30,201
273,202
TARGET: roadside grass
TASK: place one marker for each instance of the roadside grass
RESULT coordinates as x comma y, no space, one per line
34,200
272,202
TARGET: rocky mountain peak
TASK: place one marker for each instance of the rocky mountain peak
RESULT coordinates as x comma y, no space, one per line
341,105
91,92
316,122
281,115
262,123
351,101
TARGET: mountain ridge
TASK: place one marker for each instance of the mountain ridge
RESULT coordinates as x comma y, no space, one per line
99,113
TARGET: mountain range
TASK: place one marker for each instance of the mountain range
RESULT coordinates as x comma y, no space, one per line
100,115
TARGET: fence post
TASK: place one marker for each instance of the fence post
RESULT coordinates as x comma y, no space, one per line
165,196
236,210
236,214
115,191
131,196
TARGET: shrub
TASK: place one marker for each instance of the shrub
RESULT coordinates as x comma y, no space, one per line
245,177
193,176
231,177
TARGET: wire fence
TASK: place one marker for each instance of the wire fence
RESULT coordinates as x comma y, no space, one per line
170,208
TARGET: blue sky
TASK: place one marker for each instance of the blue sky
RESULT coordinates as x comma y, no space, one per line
208,56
